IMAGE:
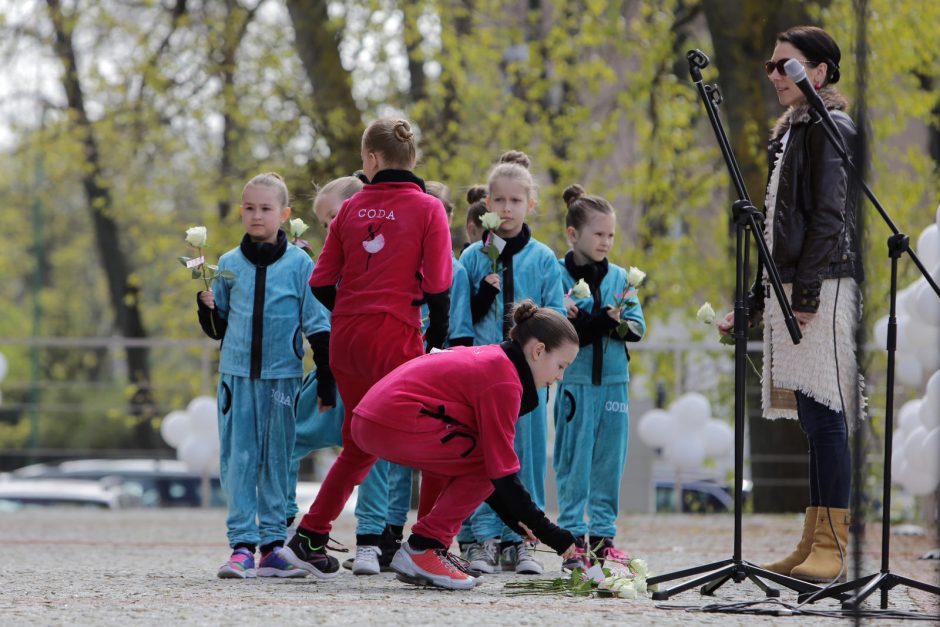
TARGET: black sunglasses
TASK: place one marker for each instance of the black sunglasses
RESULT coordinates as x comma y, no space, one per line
770,66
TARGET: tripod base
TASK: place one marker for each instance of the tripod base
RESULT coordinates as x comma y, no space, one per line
866,586
718,573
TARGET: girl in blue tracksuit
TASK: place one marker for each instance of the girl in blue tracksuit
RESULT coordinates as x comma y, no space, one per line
525,268
591,416
262,311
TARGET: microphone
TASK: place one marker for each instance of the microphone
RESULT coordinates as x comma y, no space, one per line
797,74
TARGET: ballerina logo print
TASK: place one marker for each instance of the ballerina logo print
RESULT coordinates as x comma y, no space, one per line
373,243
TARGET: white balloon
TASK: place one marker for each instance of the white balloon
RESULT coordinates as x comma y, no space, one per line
907,418
4,367
912,442
924,455
928,246
717,437
907,369
920,483
175,428
203,411
692,411
656,428
929,410
926,306
900,472
929,358
199,453
897,453
685,453
880,332
908,342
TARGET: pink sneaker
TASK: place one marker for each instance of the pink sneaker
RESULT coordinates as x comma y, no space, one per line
431,567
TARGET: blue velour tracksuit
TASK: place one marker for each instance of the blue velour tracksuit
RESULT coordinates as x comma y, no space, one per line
528,269
262,317
591,415
373,509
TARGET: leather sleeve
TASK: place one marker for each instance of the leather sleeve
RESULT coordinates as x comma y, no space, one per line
828,180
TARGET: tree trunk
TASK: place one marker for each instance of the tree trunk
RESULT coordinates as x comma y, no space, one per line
335,113
124,295
743,34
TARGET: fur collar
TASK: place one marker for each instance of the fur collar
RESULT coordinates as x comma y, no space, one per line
800,114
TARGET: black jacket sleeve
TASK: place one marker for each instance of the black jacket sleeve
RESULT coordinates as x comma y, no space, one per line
481,302
212,324
512,504
590,327
326,385
326,294
438,318
460,341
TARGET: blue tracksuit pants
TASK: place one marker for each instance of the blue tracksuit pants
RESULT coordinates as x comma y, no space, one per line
256,439
591,430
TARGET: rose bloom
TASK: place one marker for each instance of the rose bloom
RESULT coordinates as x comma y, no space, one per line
196,236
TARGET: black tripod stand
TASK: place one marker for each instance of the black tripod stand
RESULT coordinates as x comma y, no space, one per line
746,220
898,243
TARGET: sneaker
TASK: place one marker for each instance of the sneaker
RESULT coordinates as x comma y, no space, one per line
367,560
605,550
507,558
301,553
580,559
431,567
525,563
274,565
241,565
484,557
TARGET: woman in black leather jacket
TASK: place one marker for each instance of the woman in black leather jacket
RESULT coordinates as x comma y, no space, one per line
810,228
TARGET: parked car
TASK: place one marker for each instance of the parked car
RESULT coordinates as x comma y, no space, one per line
154,482
699,496
19,493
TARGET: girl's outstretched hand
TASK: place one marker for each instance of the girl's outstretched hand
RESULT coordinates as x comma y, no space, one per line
571,551
207,298
529,536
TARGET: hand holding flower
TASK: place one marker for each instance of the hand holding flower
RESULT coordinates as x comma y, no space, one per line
207,298
492,279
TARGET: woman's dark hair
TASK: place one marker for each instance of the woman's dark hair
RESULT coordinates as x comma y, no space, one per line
442,193
580,203
545,325
818,47
476,199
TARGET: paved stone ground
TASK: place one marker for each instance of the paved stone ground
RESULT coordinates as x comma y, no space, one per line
157,567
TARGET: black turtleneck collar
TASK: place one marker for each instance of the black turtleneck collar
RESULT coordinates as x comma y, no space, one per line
592,272
397,176
262,253
513,244
530,395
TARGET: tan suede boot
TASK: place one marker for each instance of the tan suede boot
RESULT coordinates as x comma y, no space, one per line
826,558
801,552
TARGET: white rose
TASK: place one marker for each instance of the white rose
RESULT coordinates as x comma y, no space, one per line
581,289
627,592
635,276
297,227
196,236
705,314
490,221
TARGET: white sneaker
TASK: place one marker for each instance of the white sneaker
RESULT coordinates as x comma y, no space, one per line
484,557
525,563
367,560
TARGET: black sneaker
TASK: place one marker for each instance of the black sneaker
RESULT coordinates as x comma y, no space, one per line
301,551
389,543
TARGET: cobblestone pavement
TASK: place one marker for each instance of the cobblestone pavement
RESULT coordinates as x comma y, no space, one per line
158,567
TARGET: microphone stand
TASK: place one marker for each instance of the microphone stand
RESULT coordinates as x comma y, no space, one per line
747,221
898,243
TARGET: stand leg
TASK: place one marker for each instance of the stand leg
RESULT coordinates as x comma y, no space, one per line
723,574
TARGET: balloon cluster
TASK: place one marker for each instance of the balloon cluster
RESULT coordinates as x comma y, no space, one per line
915,451
686,433
194,433
918,316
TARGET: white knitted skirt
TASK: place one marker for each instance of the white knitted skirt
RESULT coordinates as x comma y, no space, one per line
822,364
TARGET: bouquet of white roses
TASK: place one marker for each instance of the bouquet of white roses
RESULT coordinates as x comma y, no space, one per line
635,277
